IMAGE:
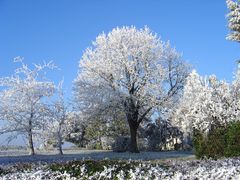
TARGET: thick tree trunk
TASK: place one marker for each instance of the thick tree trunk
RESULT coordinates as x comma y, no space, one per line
132,115
30,143
133,143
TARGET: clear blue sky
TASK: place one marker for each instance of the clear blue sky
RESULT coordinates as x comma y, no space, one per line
60,30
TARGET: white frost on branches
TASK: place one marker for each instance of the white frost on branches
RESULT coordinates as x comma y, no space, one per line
234,20
131,70
21,100
127,63
207,103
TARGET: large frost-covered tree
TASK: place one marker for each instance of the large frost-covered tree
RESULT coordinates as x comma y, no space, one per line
234,20
132,71
21,100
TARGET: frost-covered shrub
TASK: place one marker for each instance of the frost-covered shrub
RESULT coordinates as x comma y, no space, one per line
128,170
90,169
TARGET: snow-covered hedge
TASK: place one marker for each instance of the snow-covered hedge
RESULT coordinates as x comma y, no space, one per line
194,169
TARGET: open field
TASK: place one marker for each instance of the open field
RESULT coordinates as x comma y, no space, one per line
19,156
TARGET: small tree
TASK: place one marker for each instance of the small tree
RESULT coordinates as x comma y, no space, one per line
21,100
56,127
234,20
132,71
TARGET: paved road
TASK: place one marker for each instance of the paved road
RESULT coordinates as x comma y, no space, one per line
12,157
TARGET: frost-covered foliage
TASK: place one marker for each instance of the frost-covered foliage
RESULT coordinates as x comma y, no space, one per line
77,128
130,71
207,169
234,20
207,103
22,96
